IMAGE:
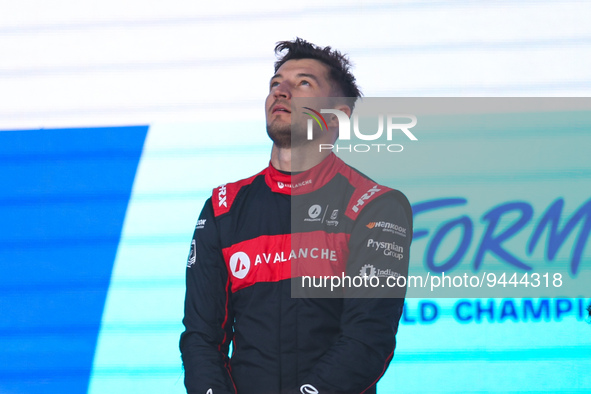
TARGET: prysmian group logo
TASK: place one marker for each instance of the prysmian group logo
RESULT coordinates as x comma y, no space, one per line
345,131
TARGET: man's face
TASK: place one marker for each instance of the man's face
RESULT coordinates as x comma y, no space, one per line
295,78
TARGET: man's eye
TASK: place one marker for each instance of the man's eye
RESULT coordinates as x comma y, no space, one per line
274,83
304,82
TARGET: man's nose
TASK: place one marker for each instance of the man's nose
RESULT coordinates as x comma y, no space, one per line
283,90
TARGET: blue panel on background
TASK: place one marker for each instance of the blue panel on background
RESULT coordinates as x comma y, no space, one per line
63,200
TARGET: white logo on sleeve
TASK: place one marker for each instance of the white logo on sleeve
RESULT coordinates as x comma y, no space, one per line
367,270
222,196
333,218
200,224
239,264
192,254
334,214
314,211
314,214
308,389
365,197
210,391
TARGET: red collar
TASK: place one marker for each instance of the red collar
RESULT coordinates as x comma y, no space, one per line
304,182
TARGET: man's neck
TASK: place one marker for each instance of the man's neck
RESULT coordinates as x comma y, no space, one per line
296,159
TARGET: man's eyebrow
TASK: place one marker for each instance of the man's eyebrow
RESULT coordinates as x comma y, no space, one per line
311,76
300,75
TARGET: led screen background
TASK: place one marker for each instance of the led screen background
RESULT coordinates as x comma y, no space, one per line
118,118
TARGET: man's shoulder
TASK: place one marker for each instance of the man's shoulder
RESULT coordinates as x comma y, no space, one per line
366,190
224,195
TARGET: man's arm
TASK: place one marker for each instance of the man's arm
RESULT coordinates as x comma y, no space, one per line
379,245
208,312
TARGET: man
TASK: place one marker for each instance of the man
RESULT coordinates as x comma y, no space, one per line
308,212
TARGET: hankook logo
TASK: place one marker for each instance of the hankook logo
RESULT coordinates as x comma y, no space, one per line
386,226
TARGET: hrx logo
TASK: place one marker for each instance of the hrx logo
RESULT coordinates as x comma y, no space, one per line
222,196
345,130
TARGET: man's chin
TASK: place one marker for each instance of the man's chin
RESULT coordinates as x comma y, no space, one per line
281,136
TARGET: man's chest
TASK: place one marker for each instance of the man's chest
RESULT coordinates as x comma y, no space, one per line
277,237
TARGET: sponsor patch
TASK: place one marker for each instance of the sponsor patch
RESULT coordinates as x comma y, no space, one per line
333,216
192,255
308,389
239,265
388,227
365,197
222,196
281,257
313,213
389,248
371,271
282,185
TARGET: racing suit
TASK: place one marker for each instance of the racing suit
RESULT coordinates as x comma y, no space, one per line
259,237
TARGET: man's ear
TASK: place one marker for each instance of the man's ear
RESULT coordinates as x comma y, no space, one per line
344,108
333,121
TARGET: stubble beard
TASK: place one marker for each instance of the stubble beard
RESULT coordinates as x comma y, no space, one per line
283,137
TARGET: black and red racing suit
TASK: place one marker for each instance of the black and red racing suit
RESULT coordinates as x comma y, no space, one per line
249,242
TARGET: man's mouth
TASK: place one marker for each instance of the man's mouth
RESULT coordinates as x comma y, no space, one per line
280,108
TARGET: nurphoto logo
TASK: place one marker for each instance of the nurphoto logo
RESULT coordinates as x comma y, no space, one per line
393,124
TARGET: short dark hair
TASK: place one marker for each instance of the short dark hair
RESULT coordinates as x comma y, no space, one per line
338,64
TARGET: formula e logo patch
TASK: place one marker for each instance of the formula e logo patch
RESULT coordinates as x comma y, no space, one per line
239,264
